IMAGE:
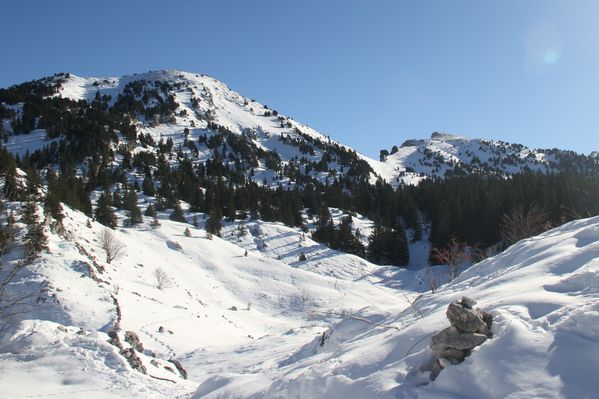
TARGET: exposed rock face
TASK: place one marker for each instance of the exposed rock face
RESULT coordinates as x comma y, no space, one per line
132,339
133,360
180,368
466,319
469,328
452,337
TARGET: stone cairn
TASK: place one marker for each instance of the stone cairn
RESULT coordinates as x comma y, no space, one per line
469,328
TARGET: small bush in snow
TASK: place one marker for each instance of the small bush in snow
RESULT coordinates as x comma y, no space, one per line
162,279
155,223
111,245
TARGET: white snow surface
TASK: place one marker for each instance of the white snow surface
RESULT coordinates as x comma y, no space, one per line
252,326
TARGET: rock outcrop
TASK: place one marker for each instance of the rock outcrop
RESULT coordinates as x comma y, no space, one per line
132,339
469,328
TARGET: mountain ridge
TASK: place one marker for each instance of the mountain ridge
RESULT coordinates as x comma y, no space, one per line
199,99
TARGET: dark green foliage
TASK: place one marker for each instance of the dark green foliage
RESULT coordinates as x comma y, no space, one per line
11,189
345,240
35,240
133,211
68,189
7,233
341,238
383,155
104,213
214,223
325,229
32,182
117,198
471,207
388,246
150,211
177,213
52,206
148,186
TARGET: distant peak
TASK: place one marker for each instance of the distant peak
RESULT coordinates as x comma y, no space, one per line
441,136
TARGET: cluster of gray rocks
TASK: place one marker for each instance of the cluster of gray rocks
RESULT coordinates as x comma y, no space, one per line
469,328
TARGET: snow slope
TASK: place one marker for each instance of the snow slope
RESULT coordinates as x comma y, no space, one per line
253,326
222,311
544,295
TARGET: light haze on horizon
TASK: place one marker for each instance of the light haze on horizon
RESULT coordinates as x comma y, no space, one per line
370,74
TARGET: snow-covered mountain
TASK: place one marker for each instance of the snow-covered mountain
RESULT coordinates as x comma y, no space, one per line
448,155
183,106
241,326
260,309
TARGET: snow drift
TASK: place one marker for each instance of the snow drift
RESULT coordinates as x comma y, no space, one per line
253,326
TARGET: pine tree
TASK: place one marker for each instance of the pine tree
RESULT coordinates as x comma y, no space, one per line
441,231
177,214
266,211
345,240
155,223
388,246
133,211
52,207
104,213
400,252
150,211
214,223
33,183
196,203
11,190
325,230
230,210
148,185
35,240
117,198
6,231
417,236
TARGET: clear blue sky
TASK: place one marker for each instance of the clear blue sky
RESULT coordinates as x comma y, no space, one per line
369,73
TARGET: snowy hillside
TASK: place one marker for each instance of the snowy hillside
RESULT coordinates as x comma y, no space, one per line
448,155
203,103
185,107
253,326
201,244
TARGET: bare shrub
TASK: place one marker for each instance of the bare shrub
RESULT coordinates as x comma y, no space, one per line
479,253
453,255
111,245
162,279
521,223
432,281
